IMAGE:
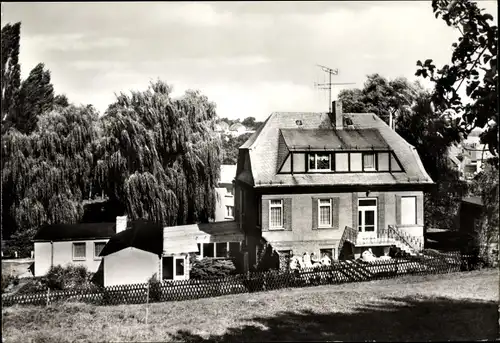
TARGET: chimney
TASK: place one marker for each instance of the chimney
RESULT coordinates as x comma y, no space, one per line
121,223
338,115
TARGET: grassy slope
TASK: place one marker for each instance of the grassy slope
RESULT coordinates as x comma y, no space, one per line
459,306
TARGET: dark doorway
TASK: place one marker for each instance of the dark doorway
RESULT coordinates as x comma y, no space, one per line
168,268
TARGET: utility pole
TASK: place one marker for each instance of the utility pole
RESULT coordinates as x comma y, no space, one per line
329,85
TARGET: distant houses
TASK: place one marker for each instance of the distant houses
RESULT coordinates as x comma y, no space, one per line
234,130
469,155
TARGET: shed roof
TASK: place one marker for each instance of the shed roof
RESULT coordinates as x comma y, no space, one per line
141,234
475,200
184,238
69,232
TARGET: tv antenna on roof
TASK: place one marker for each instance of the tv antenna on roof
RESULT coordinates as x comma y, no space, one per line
329,84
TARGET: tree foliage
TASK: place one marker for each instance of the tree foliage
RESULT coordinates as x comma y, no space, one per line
380,96
486,186
473,60
11,70
159,156
45,174
230,147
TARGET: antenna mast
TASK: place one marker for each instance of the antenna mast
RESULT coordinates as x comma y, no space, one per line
328,85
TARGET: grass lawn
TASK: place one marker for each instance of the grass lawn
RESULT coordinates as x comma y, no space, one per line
457,306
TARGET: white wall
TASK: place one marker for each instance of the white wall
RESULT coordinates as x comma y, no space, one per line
63,255
223,199
130,266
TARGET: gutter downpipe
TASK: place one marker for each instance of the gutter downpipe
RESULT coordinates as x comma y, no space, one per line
51,253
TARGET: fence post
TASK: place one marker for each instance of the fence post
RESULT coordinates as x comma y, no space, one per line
147,302
48,297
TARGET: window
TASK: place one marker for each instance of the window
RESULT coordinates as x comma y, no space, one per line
276,214
98,246
208,250
229,211
179,266
325,212
369,161
79,250
408,210
320,161
229,191
221,249
330,252
199,250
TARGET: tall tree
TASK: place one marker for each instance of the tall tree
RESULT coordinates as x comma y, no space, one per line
385,98
160,156
36,96
423,128
47,172
11,70
473,60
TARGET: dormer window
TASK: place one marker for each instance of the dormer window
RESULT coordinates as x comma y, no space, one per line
319,162
369,162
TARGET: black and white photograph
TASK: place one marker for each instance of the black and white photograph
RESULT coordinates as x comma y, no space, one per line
250,171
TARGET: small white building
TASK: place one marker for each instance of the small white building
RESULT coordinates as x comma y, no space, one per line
224,208
145,250
63,244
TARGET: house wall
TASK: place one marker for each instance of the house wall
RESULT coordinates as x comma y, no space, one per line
130,266
63,255
300,235
224,198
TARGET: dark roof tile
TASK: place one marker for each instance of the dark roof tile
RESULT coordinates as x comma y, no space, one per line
82,231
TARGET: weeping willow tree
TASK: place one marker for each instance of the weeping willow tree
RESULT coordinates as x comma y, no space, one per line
159,156
47,172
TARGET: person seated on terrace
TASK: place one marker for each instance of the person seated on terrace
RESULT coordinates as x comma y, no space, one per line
307,260
368,256
325,260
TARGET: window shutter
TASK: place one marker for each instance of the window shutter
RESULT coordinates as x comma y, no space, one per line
398,210
418,205
381,211
287,213
314,213
355,211
335,212
265,214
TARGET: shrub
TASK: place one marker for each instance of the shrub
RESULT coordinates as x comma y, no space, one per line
210,268
69,277
6,280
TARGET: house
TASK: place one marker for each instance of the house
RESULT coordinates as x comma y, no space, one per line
221,126
308,182
149,250
224,208
61,244
237,129
469,155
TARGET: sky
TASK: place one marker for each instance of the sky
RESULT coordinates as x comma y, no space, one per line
250,58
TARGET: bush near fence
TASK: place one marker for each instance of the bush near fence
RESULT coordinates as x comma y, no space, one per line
338,272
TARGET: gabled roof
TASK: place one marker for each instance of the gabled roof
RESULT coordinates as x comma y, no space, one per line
72,232
140,234
368,129
237,126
